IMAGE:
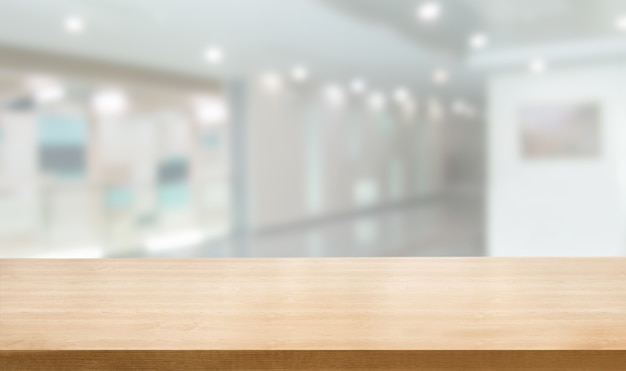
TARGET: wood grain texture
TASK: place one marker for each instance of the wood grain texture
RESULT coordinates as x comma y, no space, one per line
313,360
313,304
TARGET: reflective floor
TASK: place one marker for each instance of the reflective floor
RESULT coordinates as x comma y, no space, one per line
435,228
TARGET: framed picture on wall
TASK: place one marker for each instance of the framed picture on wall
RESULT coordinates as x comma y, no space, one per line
560,130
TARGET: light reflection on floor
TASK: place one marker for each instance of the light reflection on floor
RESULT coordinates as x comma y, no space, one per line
438,228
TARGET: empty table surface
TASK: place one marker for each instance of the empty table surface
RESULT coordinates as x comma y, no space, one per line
313,304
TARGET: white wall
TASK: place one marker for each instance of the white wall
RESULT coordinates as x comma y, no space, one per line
567,207
307,159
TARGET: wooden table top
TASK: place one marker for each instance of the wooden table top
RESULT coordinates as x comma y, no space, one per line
313,304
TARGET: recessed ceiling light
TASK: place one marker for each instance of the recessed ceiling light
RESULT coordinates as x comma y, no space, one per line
621,23
46,89
272,81
109,102
300,73
538,66
441,76
49,94
478,41
401,95
214,54
74,25
211,110
377,101
358,86
335,95
429,12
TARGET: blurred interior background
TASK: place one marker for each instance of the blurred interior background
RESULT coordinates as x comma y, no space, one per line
312,128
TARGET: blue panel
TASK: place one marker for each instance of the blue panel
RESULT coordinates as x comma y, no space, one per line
211,140
71,174
118,198
61,130
62,144
174,195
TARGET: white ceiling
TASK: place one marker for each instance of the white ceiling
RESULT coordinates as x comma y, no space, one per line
337,39
516,23
256,35
510,23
